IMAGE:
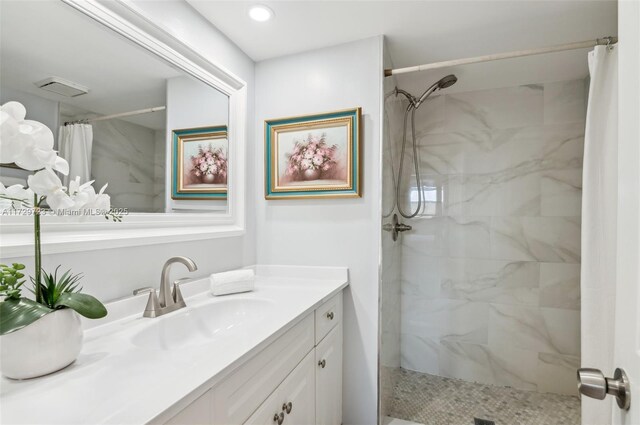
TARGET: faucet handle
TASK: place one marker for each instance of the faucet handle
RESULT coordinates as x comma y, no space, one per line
177,294
153,305
142,290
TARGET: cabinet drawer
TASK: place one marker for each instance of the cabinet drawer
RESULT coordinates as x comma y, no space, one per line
327,316
240,394
296,395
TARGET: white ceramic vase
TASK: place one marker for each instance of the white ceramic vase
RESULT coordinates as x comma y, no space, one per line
45,346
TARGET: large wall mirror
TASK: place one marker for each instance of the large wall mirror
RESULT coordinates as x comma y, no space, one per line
159,130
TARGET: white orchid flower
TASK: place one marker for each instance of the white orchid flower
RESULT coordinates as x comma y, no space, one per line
15,196
85,197
28,143
16,110
80,193
99,202
36,148
9,146
46,183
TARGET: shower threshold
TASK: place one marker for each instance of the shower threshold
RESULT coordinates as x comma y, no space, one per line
434,400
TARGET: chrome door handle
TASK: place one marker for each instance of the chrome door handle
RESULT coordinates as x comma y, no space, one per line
592,383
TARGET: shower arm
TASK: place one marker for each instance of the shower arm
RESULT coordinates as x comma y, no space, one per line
412,100
414,103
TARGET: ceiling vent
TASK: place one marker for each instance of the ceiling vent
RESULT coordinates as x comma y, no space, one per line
62,87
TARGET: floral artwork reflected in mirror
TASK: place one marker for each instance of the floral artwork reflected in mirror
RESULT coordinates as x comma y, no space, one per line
200,163
313,156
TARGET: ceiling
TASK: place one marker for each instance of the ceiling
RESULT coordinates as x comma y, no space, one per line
56,40
420,32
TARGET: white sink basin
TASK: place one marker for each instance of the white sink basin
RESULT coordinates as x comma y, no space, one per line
202,324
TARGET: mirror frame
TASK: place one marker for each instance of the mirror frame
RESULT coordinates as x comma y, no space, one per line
62,234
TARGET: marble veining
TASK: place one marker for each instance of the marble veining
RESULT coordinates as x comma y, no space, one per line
490,274
131,159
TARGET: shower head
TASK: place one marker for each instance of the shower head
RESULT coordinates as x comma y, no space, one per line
447,81
442,83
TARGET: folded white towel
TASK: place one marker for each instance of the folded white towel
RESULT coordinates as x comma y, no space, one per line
232,282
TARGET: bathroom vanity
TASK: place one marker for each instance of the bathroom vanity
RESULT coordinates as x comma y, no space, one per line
271,356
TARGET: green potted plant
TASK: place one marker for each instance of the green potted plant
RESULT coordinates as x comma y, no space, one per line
41,333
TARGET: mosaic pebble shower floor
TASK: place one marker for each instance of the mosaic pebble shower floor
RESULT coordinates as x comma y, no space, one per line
434,400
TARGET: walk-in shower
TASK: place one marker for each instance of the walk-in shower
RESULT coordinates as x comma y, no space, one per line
480,302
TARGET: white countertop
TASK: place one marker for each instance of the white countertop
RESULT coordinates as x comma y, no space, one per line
116,381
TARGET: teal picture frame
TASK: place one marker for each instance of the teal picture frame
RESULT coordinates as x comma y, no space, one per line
180,190
348,185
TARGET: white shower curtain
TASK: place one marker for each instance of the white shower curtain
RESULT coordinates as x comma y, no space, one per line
75,142
599,209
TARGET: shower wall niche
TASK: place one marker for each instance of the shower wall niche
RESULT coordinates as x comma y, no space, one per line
490,274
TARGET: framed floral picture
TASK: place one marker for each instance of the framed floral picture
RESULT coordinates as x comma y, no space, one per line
199,163
313,156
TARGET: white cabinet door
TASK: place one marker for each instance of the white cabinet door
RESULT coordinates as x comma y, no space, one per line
299,389
242,392
329,378
296,395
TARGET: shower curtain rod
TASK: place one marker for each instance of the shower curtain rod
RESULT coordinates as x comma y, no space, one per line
605,41
130,113
120,115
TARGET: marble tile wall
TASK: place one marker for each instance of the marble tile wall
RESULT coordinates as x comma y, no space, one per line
130,158
491,271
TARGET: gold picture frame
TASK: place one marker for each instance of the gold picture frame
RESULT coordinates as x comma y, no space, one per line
209,146
313,156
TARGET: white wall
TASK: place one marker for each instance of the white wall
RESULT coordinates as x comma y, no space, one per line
113,273
336,232
191,104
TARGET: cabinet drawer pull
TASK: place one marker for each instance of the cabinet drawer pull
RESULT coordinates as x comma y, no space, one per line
286,407
278,418
330,315
322,363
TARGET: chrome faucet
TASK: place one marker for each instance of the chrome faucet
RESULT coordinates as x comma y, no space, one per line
168,300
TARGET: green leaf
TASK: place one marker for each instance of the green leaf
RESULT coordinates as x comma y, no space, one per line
83,304
16,314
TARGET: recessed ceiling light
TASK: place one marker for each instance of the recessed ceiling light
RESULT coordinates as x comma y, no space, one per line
260,13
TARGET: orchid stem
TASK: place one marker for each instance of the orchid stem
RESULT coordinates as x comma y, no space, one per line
38,254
